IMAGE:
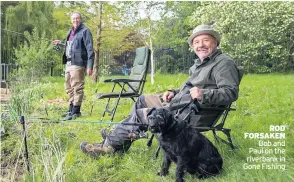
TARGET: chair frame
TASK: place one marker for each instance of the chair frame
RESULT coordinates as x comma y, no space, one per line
216,126
123,93
220,127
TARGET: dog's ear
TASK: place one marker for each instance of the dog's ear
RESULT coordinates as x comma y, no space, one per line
151,111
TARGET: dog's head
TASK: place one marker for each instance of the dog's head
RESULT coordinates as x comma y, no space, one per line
160,120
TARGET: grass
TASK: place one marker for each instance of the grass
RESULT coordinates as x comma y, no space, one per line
264,100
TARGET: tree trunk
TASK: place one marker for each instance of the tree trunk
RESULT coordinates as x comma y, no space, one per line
151,54
95,77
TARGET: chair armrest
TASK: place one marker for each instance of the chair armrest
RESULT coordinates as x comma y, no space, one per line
108,80
116,80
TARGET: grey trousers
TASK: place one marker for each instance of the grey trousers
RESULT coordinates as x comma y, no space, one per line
122,136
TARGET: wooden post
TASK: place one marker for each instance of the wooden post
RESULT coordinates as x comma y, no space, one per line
22,121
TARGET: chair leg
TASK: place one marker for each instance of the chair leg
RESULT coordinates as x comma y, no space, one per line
155,155
230,142
215,135
133,99
105,109
114,110
229,139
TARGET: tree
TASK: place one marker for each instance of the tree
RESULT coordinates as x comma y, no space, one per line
4,38
146,26
98,43
170,42
175,28
25,16
258,34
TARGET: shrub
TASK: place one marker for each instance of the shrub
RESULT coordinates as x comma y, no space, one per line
34,57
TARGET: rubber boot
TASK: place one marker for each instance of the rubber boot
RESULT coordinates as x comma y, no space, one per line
68,112
76,112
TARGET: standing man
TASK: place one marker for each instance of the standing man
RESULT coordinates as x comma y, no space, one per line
78,57
214,81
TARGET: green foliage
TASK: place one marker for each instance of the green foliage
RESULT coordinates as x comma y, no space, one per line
165,63
61,21
259,34
174,28
25,16
34,58
116,34
105,70
9,138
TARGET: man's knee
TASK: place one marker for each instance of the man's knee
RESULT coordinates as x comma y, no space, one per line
119,139
148,101
152,101
142,115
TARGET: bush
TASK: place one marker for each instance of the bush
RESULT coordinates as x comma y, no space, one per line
34,57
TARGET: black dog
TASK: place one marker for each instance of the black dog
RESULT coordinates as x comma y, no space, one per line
184,145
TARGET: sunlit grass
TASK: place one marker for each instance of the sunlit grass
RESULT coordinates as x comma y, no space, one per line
264,100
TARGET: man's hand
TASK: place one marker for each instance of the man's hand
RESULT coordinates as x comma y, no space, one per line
196,93
55,42
167,96
89,71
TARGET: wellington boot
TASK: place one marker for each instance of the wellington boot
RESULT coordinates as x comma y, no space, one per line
68,111
76,112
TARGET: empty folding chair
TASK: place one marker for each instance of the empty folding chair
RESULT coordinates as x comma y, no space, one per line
129,88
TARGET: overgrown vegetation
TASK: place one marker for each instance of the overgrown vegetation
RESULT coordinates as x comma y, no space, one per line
34,58
54,148
259,35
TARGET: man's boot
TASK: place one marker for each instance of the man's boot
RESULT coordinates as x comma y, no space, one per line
96,149
69,111
76,112
119,139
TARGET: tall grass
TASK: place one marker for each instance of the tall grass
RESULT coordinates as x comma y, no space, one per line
264,100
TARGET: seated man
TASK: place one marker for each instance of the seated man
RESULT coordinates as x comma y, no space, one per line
214,81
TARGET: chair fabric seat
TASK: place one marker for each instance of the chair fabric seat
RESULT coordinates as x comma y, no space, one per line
131,87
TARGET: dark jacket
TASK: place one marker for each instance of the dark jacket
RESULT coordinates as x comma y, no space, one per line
82,53
219,79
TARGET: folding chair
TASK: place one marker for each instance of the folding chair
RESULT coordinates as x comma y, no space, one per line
220,127
129,88
216,125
